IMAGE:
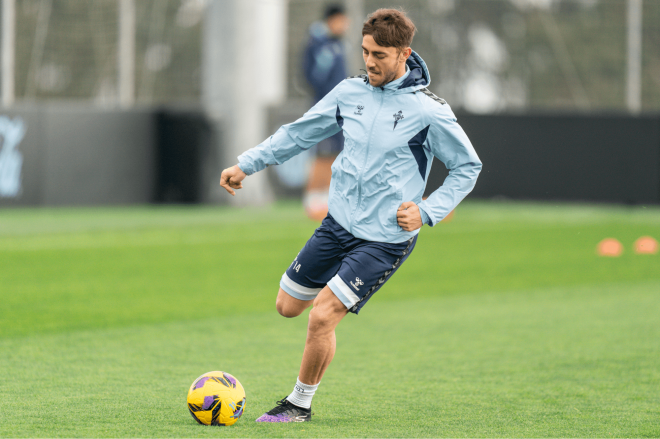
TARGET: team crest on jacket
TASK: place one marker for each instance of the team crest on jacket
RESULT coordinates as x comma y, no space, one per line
397,117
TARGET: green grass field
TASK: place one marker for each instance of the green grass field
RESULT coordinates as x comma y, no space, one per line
502,323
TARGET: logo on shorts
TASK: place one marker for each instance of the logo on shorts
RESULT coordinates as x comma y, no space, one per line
357,284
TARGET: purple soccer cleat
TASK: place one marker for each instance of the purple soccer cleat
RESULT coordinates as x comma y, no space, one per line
286,412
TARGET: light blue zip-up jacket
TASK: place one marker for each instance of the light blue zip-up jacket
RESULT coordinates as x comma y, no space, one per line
391,135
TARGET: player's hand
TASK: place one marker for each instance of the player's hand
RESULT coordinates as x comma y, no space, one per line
231,179
408,216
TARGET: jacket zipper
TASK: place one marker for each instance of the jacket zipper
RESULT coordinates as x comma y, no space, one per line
366,158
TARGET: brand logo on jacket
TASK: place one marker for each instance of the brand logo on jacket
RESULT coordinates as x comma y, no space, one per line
397,117
359,110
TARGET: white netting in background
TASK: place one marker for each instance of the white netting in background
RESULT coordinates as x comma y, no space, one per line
65,49
68,49
168,50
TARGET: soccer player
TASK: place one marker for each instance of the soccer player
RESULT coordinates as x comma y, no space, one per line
393,126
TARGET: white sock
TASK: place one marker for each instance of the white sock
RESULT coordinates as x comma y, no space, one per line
302,394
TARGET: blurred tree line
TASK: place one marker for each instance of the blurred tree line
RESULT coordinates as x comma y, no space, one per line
484,55
513,55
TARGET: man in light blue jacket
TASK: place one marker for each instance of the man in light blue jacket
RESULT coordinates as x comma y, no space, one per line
393,127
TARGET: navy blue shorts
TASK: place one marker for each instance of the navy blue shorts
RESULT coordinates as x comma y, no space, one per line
353,268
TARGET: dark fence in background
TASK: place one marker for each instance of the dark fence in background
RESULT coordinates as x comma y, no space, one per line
70,155
184,152
73,154
79,155
607,158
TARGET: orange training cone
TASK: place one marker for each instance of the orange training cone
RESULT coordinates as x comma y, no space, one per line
646,245
610,247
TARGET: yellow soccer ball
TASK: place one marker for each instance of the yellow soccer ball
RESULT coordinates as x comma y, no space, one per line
216,398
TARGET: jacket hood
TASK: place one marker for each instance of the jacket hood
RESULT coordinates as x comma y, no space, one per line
419,76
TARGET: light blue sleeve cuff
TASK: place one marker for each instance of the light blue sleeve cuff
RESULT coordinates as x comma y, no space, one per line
257,158
425,217
247,169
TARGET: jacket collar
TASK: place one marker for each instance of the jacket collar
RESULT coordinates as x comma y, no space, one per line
394,85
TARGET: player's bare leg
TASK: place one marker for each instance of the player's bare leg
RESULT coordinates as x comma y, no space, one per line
321,342
319,177
316,192
319,351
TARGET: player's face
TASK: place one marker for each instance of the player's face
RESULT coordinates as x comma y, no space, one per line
384,64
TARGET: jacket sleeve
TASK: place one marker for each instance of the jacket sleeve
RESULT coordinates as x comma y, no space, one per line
450,144
320,122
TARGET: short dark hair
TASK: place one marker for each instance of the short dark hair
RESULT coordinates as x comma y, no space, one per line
390,28
333,9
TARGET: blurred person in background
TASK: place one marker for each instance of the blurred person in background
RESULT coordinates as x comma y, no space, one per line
324,66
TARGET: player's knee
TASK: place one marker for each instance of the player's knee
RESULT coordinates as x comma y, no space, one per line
322,320
286,308
327,312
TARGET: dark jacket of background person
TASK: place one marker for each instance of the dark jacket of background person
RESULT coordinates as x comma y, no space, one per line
324,60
